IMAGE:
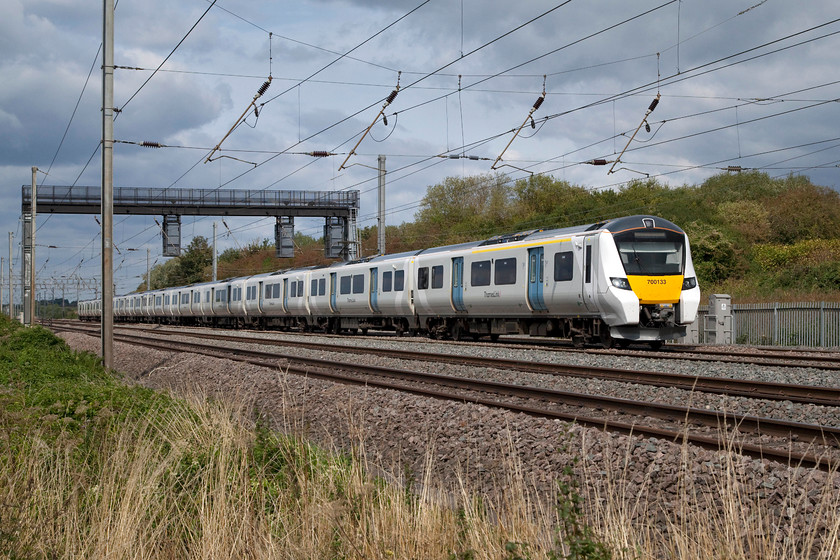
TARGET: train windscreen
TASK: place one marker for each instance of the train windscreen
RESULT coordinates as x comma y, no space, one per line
651,251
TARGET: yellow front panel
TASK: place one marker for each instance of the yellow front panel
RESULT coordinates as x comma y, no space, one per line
656,289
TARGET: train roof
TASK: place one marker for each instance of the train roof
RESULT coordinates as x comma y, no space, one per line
614,225
456,247
639,222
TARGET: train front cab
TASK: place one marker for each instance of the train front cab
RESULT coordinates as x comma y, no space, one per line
655,286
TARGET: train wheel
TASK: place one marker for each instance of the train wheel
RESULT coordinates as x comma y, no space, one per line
656,345
457,332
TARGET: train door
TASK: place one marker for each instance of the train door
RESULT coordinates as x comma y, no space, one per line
333,306
536,279
458,284
285,295
260,296
374,290
588,276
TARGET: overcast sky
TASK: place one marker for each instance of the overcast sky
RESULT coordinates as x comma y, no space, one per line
743,83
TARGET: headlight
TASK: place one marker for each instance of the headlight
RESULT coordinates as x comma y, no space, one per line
620,283
689,283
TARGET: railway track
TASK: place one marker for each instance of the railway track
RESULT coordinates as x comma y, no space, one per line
774,357
810,394
788,442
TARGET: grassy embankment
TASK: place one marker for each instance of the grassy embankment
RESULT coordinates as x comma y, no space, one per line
91,468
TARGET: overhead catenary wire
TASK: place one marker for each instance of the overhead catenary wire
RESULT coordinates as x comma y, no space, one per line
251,105
193,166
343,55
650,110
369,106
530,117
548,171
388,101
184,38
537,17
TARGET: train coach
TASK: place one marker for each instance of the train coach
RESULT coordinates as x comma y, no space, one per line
616,282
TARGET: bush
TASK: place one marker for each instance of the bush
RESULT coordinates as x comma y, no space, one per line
712,251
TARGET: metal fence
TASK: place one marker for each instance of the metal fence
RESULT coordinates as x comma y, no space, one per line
782,324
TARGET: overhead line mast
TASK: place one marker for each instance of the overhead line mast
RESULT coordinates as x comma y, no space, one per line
107,183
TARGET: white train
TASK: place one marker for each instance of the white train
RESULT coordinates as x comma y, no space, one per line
615,282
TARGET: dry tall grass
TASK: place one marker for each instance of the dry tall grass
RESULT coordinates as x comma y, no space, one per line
718,510
189,487
199,481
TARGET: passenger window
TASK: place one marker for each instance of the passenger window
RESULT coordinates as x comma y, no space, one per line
423,278
399,280
505,272
313,287
345,285
437,277
386,281
563,266
322,286
480,273
275,291
358,283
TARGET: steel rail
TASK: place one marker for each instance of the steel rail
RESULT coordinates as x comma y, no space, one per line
808,394
777,357
326,369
